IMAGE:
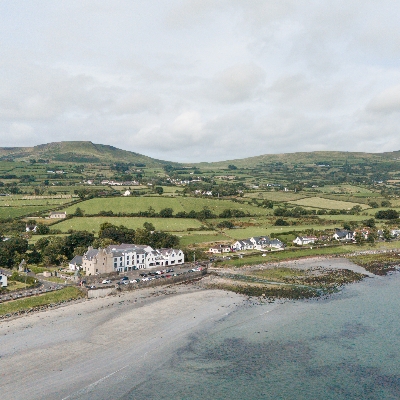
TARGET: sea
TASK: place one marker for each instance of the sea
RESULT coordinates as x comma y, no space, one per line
344,347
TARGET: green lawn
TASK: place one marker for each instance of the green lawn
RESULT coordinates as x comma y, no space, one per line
67,293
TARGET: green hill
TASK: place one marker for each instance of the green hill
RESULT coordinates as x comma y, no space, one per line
77,151
316,157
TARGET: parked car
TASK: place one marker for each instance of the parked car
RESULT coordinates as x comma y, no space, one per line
124,278
105,281
133,281
143,274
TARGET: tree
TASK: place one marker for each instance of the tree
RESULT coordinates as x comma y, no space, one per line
78,239
225,224
42,229
79,212
232,167
149,226
118,234
387,214
166,213
159,190
281,222
370,223
359,238
386,234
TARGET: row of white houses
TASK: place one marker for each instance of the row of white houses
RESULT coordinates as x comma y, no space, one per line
254,243
125,257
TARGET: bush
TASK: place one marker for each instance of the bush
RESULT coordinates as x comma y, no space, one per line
387,214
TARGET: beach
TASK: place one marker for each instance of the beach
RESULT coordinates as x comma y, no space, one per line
188,342
71,350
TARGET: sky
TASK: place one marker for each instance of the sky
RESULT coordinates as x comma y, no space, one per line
202,80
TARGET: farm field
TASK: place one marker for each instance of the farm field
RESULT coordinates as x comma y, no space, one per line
319,202
15,211
201,237
137,204
347,189
92,224
244,233
276,196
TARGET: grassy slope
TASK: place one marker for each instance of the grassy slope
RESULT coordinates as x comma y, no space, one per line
136,204
92,224
102,152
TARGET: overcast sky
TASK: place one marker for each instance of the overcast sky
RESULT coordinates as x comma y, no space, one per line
202,80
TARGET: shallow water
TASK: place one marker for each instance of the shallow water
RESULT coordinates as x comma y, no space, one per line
346,347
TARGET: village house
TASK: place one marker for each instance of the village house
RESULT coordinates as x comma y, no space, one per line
257,243
343,235
219,249
76,263
302,240
261,242
58,214
245,244
30,227
128,257
3,280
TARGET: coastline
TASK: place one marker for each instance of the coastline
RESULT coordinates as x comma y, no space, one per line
77,349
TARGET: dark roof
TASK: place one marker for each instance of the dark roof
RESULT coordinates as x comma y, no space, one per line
77,260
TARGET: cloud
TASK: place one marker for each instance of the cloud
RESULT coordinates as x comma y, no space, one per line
236,83
202,80
387,101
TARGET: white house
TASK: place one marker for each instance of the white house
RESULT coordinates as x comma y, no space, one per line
343,235
3,280
128,257
30,227
302,240
58,214
395,232
75,263
245,244
219,249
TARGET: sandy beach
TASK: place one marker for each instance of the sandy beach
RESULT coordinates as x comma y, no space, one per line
71,351
80,350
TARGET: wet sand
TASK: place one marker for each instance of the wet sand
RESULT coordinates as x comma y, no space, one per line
76,350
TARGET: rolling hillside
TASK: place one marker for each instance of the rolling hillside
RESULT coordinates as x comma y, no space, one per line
77,152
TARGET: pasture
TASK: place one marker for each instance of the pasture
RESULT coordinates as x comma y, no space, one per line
178,204
92,224
319,202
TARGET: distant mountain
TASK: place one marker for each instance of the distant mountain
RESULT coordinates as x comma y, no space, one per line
88,152
315,157
79,152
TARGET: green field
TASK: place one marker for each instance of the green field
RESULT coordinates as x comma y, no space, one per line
319,202
92,224
65,294
137,204
201,238
244,233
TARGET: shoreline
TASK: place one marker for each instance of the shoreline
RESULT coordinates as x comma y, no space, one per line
318,262
78,349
